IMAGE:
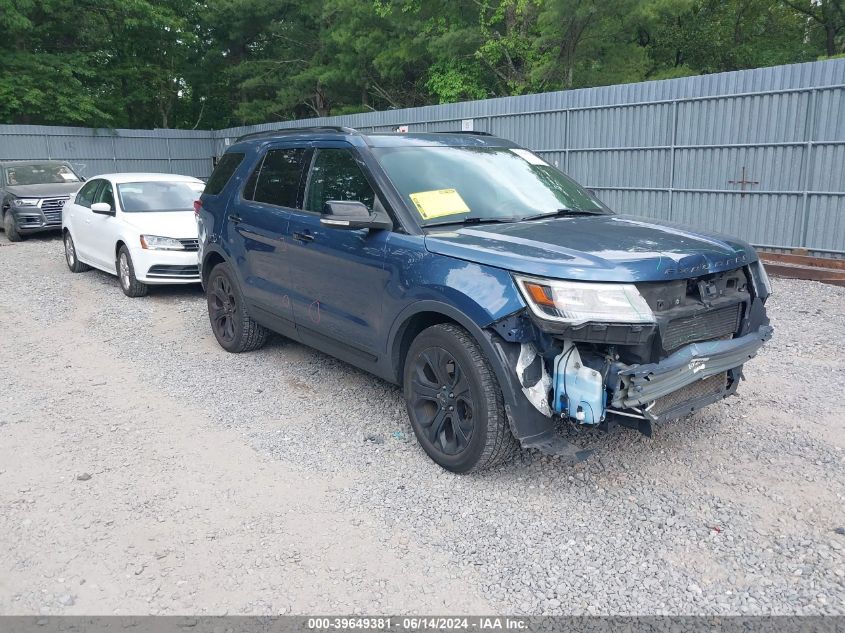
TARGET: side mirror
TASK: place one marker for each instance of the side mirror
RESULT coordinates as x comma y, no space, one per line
352,215
102,208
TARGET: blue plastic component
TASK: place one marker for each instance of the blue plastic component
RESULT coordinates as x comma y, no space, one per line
579,391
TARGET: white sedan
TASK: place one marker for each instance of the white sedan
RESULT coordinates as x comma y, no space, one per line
140,227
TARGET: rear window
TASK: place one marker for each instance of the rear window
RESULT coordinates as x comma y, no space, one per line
223,172
276,180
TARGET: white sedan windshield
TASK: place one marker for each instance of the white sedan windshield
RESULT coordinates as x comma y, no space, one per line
139,197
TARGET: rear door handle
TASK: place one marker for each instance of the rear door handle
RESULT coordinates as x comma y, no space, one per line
303,237
234,218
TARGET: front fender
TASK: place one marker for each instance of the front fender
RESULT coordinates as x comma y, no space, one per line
483,293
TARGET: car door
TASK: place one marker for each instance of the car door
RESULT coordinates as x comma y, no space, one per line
260,218
104,229
80,216
337,276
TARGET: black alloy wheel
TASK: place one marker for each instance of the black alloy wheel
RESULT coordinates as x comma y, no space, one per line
232,326
442,400
223,309
454,401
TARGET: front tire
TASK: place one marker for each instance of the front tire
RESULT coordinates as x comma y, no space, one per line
454,401
233,328
11,227
126,273
71,257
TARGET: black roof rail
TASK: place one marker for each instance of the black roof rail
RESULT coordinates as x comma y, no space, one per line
471,132
282,131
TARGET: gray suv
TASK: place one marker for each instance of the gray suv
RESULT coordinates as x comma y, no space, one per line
32,194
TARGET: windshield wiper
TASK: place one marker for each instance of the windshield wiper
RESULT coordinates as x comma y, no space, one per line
561,213
475,221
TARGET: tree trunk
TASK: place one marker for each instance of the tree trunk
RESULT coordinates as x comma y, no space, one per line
830,40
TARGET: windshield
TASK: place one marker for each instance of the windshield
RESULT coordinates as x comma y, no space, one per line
138,197
463,184
39,174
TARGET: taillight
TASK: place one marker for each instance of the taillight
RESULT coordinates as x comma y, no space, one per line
197,207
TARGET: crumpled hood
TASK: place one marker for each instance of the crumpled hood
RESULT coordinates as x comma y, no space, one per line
594,248
178,224
49,190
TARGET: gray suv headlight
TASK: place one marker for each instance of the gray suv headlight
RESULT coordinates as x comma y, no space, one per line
576,302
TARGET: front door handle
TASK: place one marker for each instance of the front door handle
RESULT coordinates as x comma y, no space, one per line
234,218
303,237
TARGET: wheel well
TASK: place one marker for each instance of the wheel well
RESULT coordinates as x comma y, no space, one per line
209,263
408,331
117,248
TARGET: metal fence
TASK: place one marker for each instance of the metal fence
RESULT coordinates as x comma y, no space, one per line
95,151
758,153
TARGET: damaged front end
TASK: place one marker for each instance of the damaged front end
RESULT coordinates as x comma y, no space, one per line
628,354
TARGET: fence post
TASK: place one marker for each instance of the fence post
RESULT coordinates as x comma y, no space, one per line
114,151
809,136
674,137
49,151
566,140
169,155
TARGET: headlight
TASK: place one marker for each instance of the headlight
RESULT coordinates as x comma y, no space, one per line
25,202
156,243
576,302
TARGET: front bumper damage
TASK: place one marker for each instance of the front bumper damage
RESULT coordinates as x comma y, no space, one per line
642,384
600,379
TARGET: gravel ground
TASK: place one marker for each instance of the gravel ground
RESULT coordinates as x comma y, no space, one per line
245,484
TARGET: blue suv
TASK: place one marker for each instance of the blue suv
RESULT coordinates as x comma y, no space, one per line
504,298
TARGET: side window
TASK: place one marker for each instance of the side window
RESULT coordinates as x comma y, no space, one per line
249,187
223,172
105,194
337,176
278,181
86,195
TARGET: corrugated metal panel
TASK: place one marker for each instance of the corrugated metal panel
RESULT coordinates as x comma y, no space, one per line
94,167
752,119
649,204
769,168
830,116
621,168
98,151
622,126
757,218
22,146
828,165
826,226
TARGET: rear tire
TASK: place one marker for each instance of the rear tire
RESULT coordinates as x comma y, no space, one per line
71,257
454,401
233,328
11,227
126,273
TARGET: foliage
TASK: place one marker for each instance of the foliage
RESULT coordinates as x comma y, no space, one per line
218,63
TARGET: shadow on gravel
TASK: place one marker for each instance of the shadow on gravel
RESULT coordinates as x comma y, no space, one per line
165,291
179,291
35,237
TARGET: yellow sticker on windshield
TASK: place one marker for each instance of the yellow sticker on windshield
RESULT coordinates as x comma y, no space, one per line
437,203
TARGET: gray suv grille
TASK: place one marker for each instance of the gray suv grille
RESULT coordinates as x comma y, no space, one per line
52,209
